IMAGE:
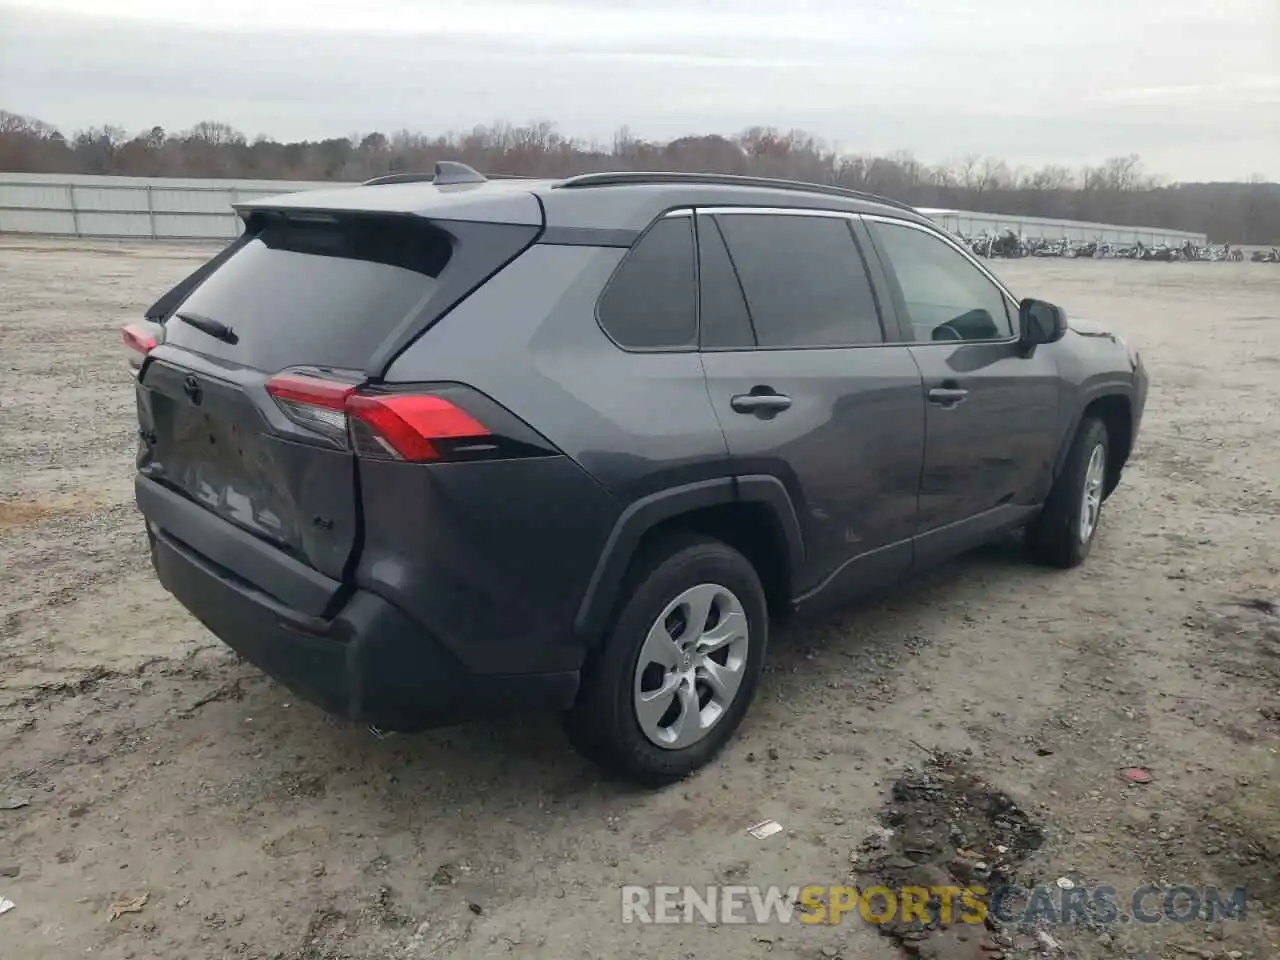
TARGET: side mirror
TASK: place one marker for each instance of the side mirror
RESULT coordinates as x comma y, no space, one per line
1040,322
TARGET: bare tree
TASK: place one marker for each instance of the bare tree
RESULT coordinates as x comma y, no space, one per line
1049,178
992,175
1116,190
215,134
968,171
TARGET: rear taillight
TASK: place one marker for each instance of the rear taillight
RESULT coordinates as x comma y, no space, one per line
139,340
409,426
142,337
419,427
313,402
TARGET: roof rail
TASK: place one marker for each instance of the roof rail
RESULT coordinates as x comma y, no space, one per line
635,178
447,172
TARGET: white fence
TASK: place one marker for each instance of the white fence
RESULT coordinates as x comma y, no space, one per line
130,207
972,224
182,209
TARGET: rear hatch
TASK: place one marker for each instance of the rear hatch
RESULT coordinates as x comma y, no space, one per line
305,300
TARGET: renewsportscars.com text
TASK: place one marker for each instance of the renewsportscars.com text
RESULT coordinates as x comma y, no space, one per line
818,904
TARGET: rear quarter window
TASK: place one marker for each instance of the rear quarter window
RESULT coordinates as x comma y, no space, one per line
650,303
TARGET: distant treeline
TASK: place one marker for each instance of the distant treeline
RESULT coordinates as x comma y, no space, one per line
1118,191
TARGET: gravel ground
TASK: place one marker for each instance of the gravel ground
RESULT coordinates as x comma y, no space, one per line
152,762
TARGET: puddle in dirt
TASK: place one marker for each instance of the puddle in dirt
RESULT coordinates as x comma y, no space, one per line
944,827
1238,834
1243,641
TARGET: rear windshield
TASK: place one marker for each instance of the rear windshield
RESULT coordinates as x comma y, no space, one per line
321,293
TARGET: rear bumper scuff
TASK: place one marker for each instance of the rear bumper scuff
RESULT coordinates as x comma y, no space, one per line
369,664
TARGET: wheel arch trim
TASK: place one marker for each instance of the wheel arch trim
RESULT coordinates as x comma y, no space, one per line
647,512
1100,391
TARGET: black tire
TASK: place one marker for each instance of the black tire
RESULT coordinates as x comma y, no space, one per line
603,724
1054,538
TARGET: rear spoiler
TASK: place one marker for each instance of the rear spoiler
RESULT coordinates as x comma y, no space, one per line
487,202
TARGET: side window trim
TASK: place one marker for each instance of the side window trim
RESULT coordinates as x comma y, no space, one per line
1010,301
894,287
693,347
887,315
893,316
701,221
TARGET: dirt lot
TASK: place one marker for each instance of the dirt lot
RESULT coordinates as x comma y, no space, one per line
152,762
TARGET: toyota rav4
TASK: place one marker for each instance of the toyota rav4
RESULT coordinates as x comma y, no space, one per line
430,448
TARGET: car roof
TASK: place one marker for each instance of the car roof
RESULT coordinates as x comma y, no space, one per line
627,200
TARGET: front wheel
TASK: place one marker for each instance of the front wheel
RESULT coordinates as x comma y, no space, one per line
1063,534
674,677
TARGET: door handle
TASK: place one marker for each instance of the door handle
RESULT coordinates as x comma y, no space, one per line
947,396
760,402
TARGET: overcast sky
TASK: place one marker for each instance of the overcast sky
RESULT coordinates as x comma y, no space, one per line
1191,85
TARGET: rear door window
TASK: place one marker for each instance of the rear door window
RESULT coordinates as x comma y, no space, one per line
324,293
650,303
804,278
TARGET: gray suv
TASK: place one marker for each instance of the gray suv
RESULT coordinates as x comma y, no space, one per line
431,448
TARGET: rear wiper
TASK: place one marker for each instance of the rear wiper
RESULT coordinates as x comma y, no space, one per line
214,328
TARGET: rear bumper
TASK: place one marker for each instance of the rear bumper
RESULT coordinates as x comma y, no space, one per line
370,663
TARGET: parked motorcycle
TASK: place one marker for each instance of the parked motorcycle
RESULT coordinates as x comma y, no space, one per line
1011,245
1008,244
